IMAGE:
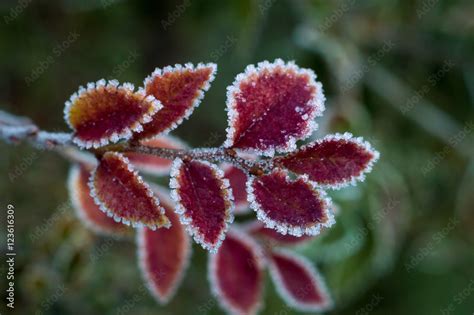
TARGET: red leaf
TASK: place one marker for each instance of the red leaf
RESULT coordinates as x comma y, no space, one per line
86,209
122,194
107,112
204,201
237,179
152,164
164,254
180,90
256,228
293,207
236,274
271,106
298,282
334,161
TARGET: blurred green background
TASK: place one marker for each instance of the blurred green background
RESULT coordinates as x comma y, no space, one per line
399,73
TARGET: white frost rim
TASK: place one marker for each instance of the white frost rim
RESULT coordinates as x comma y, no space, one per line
182,68
287,296
285,228
162,299
72,184
316,102
103,207
241,207
181,211
359,141
255,248
127,131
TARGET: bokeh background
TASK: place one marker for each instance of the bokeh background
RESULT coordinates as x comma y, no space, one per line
399,73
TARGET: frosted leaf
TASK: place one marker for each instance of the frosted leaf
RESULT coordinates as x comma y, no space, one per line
180,89
298,282
164,254
272,237
205,201
122,194
236,274
334,161
289,206
106,113
271,106
86,209
237,179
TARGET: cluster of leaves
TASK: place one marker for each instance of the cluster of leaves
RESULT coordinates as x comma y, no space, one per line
270,107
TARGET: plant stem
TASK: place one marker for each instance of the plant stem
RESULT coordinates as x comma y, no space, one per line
15,129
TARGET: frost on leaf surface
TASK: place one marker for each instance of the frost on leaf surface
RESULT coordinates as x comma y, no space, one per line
236,274
164,254
271,106
180,90
298,282
204,200
289,206
122,194
86,209
152,164
258,229
107,112
334,161
237,179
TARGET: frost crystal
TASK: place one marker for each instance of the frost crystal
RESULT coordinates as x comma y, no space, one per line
298,282
294,207
164,254
334,161
204,201
180,89
86,209
122,194
106,112
271,106
236,274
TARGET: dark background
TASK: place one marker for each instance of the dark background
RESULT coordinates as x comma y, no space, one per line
399,73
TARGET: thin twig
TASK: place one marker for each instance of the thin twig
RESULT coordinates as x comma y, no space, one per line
16,129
